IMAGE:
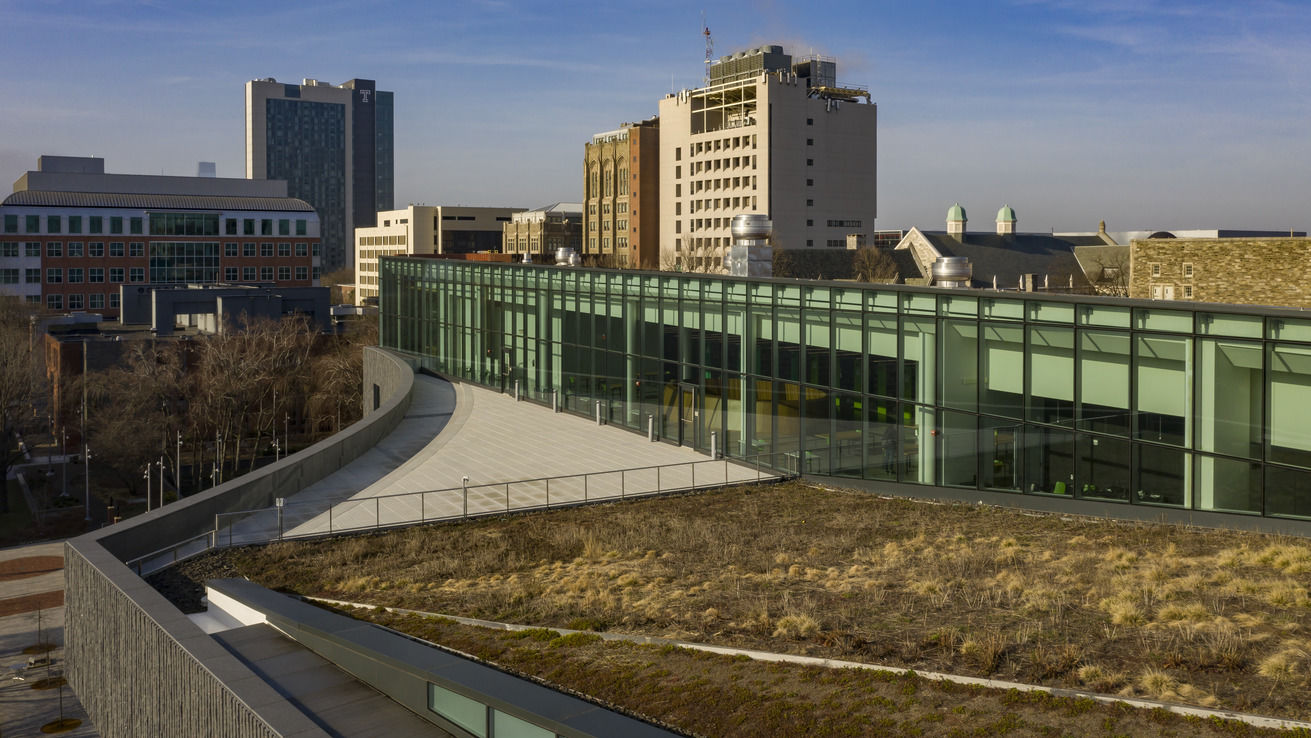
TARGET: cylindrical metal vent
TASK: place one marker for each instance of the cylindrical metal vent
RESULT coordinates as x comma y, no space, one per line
752,227
952,271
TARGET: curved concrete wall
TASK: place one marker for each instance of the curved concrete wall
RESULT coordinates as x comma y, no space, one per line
141,667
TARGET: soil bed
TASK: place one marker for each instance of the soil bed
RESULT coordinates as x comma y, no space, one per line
1212,618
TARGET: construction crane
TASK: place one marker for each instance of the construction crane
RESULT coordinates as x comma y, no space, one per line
710,47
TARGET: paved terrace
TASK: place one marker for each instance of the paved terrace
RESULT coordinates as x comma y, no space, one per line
457,430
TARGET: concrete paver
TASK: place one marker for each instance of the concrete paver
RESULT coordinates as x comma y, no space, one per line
458,430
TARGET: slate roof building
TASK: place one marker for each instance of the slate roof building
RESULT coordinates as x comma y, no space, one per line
1004,259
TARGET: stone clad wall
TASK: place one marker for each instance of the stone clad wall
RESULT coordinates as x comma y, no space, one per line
140,666
1242,271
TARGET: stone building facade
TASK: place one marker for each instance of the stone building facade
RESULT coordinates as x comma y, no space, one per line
621,193
539,233
1247,271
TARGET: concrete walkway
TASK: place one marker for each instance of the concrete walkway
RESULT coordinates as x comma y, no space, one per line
32,600
458,430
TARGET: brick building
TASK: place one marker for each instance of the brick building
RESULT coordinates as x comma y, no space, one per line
621,191
71,235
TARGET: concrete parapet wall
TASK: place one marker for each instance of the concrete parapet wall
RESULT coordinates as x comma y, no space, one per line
141,667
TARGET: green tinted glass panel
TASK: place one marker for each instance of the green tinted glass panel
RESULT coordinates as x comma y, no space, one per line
1051,312
1003,309
464,712
1105,315
1289,329
1174,321
1220,324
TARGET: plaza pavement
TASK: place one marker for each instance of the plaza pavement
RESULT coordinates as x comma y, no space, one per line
457,430
32,598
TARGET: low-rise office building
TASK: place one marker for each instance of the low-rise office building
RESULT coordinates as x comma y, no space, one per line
1089,403
424,229
72,235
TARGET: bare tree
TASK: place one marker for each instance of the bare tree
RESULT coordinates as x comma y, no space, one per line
872,264
137,408
21,381
698,259
1110,274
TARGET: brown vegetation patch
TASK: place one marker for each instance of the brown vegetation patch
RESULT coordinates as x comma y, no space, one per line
31,603
1213,618
29,566
710,694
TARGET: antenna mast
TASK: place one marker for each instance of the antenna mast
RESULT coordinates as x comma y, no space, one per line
710,46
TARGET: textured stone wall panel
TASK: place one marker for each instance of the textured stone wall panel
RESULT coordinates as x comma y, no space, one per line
132,677
1240,271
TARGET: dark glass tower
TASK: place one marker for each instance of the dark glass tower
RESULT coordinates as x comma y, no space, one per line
333,145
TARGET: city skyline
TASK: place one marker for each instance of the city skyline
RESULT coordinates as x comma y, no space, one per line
1161,114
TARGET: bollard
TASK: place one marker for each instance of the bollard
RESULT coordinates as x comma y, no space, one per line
555,401
650,427
516,390
598,412
714,444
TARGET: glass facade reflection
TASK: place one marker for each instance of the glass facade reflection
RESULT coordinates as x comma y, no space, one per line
1108,400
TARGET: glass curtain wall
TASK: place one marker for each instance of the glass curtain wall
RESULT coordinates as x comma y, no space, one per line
1111,400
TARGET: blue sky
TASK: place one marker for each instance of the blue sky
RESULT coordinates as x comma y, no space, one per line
1147,113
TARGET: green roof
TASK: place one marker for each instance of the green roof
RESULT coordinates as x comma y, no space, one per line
956,213
1006,214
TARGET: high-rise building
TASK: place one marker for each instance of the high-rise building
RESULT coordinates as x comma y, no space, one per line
621,191
332,144
767,135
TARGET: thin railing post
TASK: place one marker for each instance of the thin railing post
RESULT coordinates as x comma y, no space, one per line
330,517
507,497
658,489
548,492
423,511
623,483
377,512
693,475
585,477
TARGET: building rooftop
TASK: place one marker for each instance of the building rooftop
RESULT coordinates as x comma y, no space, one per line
47,198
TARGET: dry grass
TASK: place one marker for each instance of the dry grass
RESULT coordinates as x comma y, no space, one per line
955,588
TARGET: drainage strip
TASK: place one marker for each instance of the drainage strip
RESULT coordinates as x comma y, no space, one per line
1259,721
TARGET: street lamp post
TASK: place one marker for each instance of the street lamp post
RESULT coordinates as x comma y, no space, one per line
177,467
87,478
161,481
286,434
147,486
276,457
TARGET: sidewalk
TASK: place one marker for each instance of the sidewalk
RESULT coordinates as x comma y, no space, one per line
32,596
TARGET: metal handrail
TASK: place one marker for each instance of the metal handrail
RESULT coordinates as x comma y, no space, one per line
213,539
